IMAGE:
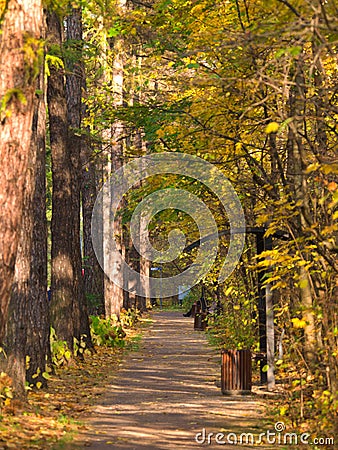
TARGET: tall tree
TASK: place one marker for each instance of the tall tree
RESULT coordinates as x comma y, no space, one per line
62,268
68,306
27,329
93,273
74,87
114,295
21,51
38,330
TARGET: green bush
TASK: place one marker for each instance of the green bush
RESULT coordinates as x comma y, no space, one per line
236,326
107,332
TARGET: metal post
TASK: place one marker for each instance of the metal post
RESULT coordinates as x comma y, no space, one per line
270,328
261,309
270,340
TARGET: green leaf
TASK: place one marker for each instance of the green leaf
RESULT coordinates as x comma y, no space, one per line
193,66
280,53
115,31
295,51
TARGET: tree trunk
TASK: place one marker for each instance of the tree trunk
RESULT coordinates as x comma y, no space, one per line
299,193
145,271
74,83
116,296
62,222
113,293
17,90
27,329
38,345
93,274
134,262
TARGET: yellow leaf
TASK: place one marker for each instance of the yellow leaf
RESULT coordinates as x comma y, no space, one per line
229,290
332,186
272,127
283,410
330,168
160,133
312,167
298,323
238,146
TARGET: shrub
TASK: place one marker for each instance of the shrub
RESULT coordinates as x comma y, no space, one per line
107,332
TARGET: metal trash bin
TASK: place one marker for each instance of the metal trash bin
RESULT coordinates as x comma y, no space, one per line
236,372
200,321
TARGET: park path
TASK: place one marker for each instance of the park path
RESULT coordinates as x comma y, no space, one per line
167,392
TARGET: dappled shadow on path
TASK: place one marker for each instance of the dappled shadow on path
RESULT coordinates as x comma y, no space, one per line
167,392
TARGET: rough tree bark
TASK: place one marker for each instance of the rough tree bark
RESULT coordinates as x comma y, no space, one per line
27,330
38,345
93,274
21,26
74,84
62,252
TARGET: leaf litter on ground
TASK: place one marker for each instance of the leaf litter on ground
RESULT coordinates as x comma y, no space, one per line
53,417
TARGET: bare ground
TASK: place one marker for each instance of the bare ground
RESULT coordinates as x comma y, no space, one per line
167,392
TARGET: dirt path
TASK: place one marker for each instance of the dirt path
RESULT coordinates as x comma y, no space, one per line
167,392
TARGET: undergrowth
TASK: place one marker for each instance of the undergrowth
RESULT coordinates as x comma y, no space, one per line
52,418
